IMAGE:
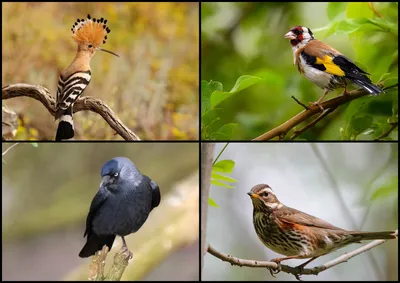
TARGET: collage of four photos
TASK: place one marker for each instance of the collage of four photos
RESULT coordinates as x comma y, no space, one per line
200,141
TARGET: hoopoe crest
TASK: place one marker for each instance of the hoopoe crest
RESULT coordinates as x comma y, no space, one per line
89,34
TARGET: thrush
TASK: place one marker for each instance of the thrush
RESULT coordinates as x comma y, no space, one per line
296,234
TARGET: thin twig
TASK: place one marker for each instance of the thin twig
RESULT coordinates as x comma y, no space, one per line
387,133
301,103
296,271
312,123
82,103
371,5
4,153
216,159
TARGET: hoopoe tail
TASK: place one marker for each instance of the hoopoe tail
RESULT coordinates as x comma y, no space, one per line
65,128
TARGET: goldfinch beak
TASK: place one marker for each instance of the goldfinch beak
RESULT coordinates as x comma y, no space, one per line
290,35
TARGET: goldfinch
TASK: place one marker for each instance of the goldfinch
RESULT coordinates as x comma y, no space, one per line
325,66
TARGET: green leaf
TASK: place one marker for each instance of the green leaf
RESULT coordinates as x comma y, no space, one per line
360,124
207,88
218,183
225,132
212,202
383,192
335,8
217,176
242,83
224,166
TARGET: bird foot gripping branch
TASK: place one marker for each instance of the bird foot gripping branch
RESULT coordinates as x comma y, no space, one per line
88,34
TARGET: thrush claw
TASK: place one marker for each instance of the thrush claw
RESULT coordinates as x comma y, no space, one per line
297,277
273,271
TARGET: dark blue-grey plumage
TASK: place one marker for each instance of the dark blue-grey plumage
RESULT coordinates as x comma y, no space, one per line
121,206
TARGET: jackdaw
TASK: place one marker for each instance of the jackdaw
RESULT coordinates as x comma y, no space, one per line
120,207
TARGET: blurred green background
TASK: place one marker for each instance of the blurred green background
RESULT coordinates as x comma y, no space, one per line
248,39
350,185
152,87
46,195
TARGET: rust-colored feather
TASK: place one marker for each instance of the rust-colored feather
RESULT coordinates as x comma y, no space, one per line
294,216
92,31
319,49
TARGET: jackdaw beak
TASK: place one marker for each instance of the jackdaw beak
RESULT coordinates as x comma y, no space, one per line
105,181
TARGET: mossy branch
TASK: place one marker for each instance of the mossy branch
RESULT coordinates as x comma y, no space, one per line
97,266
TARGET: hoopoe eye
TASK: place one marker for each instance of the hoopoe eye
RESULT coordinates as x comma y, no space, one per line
90,46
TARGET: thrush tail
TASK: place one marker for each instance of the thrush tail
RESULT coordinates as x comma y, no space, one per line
386,235
95,243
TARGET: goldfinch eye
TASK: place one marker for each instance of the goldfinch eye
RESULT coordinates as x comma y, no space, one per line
264,194
116,174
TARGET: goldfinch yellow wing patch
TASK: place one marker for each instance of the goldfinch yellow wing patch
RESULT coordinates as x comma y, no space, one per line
330,67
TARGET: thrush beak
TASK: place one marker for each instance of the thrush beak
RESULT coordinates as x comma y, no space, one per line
290,35
253,195
101,49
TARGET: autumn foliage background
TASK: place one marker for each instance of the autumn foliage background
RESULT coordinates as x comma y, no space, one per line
152,87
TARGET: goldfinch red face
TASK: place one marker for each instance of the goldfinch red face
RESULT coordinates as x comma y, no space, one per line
299,35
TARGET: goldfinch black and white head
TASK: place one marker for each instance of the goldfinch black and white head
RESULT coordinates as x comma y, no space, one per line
325,66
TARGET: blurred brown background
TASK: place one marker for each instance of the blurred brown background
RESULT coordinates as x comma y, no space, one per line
152,87
46,194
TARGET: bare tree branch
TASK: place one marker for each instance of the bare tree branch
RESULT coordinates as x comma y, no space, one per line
284,128
83,103
5,152
207,153
96,267
312,123
296,271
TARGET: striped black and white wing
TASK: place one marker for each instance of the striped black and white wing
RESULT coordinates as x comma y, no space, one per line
69,89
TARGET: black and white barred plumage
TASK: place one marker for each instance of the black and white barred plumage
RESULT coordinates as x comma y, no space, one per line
68,91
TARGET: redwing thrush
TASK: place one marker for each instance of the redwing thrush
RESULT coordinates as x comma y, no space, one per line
296,234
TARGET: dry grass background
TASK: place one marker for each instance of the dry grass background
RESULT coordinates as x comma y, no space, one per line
152,87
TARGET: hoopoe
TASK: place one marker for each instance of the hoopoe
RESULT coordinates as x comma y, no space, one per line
89,34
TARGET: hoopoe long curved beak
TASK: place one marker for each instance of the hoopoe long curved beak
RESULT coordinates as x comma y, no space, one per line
108,51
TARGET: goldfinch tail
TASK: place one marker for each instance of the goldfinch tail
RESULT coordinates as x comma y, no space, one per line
370,87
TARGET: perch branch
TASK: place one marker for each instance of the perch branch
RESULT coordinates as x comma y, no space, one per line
96,267
284,128
296,271
83,103
312,123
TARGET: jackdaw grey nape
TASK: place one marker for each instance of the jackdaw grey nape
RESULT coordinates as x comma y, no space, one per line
120,207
